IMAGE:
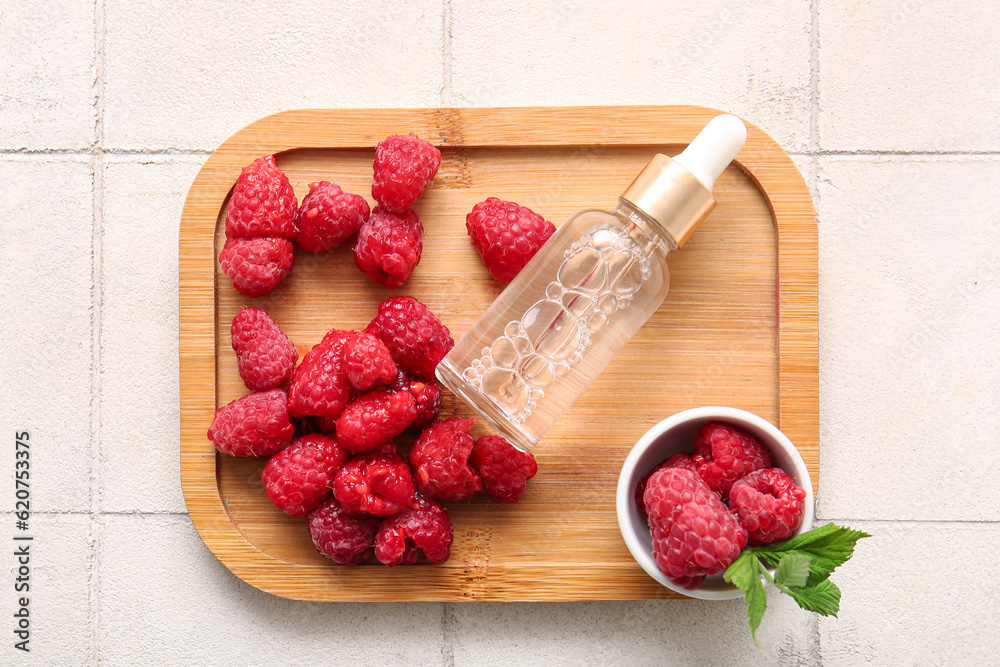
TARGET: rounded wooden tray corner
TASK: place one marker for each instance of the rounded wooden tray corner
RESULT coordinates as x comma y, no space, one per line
743,300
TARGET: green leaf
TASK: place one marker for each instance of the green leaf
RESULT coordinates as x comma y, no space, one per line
792,570
744,573
828,547
823,598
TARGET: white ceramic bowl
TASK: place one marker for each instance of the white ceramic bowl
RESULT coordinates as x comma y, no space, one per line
676,434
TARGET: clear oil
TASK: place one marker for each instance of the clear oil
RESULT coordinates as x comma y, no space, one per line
561,321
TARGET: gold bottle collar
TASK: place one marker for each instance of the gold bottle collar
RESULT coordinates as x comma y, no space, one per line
670,194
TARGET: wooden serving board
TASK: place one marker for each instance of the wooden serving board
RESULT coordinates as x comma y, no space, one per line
738,328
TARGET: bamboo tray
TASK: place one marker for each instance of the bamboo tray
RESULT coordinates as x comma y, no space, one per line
738,328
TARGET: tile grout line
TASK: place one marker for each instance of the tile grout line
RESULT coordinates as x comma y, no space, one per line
446,54
94,150
98,254
814,147
814,76
104,513
447,641
879,153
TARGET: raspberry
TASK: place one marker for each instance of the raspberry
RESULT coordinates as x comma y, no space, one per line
319,385
258,265
377,482
694,534
440,461
368,361
768,504
265,356
727,453
427,395
389,246
678,460
404,165
425,530
345,538
300,477
504,468
255,425
375,418
507,235
415,337
263,203
329,216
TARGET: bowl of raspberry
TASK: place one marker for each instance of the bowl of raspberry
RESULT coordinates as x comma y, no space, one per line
702,485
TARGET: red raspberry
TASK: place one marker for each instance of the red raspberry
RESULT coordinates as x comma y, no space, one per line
389,246
368,361
507,235
415,337
427,393
319,385
504,468
768,504
263,203
404,165
258,265
376,482
678,460
265,356
440,460
728,453
425,530
329,216
255,425
411,552
375,418
300,477
345,538
694,534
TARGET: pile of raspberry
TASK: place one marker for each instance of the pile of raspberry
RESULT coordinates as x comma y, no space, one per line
264,220
335,437
704,507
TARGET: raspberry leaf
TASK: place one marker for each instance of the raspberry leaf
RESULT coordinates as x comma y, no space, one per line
792,571
823,598
744,573
827,547
802,569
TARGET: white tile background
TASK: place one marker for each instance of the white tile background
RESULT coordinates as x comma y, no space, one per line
108,108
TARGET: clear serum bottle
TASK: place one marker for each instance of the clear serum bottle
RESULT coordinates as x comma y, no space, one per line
586,292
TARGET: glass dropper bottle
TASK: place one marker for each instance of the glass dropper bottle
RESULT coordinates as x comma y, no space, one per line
586,292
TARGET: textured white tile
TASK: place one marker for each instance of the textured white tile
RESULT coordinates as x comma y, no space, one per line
140,399
917,594
658,632
807,167
750,58
912,75
47,95
188,74
909,356
60,558
166,600
46,279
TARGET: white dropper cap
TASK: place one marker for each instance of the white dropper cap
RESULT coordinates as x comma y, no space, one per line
677,193
714,148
